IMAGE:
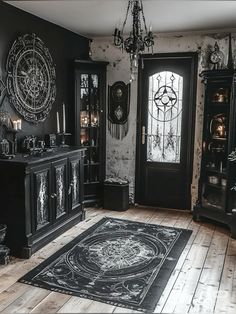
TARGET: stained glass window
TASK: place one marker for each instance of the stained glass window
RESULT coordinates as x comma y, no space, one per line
164,117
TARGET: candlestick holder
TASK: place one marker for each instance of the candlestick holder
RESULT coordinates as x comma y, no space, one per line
63,139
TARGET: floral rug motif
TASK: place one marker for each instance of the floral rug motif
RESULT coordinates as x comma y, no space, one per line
120,262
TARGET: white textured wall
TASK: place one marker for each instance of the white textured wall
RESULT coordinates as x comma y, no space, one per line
120,154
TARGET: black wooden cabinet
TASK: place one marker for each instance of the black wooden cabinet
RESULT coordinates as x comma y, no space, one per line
90,124
41,197
215,194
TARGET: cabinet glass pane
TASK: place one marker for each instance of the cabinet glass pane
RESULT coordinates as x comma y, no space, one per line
94,137
94,92
84,119
94,173
94,155
219,95
213,196
86,174
84,92
84,137
94,118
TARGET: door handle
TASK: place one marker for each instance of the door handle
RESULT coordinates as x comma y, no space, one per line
143,134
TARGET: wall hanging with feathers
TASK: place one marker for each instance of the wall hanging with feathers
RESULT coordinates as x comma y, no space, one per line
118,109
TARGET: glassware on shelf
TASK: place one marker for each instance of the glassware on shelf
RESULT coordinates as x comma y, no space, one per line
94,135
94,174
218,126
84,119
84,137
94,155
223,182
213,179
221,95
94,119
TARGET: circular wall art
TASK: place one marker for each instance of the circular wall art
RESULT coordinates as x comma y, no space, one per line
31,78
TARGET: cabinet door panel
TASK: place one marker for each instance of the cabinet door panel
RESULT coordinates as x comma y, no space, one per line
60,187
41,196
74,188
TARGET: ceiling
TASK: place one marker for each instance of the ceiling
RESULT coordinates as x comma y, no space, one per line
94,18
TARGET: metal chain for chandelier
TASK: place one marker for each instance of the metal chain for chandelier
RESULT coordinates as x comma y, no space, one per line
138,39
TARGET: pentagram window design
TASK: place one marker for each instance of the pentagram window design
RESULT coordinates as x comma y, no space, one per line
31,78
164,117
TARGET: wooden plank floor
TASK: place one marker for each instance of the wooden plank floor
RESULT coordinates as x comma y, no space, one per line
203,281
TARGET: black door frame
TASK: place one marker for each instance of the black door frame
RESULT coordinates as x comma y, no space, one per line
193,56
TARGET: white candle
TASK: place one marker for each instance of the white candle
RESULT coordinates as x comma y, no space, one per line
64,119
58,123
14,122
18,124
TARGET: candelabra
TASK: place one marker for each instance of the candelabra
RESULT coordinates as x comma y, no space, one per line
63,139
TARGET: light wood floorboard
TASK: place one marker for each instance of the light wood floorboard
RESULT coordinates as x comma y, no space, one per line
203,281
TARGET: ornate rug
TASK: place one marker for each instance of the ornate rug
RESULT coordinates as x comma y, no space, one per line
116,261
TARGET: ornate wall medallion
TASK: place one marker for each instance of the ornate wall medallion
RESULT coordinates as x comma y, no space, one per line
31,78
118,109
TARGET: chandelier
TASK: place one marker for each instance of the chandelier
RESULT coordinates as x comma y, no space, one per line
138,39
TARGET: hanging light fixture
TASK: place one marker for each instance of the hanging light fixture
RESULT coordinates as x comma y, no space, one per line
138,39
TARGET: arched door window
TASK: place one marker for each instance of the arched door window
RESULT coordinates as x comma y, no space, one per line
164,117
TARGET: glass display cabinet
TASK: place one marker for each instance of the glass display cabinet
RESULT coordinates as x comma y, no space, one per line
90,98
215,195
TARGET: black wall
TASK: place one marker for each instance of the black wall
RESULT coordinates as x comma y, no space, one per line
64,46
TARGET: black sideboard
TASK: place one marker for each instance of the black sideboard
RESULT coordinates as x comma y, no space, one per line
40,197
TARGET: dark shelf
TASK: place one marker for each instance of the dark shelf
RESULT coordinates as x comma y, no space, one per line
218,172
87,146
216,186
92,164
92,182
219,104
222,139
90,127
214,207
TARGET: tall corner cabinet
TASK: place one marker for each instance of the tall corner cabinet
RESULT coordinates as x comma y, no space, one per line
216,192
90,124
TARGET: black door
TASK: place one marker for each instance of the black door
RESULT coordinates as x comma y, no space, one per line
166,113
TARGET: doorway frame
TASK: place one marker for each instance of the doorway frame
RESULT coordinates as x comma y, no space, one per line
193,56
